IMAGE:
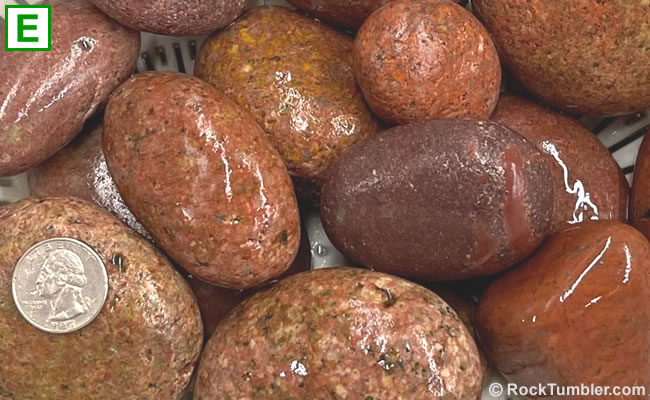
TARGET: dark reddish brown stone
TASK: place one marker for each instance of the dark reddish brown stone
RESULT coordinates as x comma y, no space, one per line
216,302
172,17
439,200
294,75
147,338
45,96
575,313
640,197
341,333
595,187
421,60
66,173
583,56
80,170
200,175
348,14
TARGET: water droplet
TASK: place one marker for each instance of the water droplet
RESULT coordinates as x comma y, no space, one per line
320,250
298,368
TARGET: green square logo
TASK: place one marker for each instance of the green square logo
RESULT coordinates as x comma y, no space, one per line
28,28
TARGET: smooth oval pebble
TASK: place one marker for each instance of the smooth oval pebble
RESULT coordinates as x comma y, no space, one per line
200,175
421,60
46,96
341,333
588,183
439,200
294,75
575,313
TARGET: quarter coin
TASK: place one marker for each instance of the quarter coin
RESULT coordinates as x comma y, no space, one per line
60,285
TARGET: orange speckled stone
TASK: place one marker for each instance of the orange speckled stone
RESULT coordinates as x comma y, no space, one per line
200,175
575,313
594,186
421,60
294,75
583,56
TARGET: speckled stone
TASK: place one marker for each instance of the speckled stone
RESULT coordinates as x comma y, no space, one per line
583,56
421,60
200,175
46,96
294,75
439,200
80,170
594,186
575,313
146,340
341,333
172,17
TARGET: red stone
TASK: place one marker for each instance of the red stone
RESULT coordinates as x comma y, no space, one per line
575,313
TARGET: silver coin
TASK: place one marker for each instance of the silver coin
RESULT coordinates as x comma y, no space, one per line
60,285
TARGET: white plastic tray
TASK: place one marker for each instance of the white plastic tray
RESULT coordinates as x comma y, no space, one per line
622,135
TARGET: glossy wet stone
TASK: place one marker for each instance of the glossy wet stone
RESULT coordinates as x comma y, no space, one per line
439,200
588,183
200,175
576,312
341,333
294,75
421,60
46,96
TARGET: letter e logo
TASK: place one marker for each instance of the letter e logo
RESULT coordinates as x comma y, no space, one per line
28,28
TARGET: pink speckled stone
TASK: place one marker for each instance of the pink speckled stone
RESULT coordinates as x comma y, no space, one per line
147,338
173,17
341,333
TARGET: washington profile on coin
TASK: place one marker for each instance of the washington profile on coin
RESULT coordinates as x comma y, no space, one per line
62,279
60,285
